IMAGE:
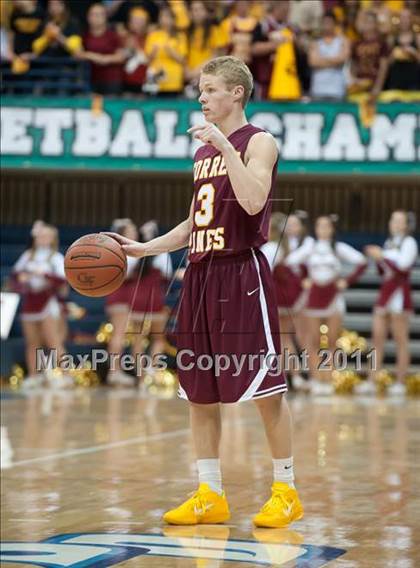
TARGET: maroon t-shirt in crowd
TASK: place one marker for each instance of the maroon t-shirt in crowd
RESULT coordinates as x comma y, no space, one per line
106,44
221,226
366,55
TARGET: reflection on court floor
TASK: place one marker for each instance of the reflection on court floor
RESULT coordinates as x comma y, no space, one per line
89,474
178,542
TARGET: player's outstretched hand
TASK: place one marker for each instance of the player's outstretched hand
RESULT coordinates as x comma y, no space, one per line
131,248
209,134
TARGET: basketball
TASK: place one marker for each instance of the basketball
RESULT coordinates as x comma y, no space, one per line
95,265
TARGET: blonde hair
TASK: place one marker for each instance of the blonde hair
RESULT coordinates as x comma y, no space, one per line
234,72
54,241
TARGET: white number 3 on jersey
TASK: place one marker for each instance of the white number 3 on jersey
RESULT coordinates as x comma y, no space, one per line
204,216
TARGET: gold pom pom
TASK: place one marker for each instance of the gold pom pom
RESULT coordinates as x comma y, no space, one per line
103,335
383,380
161,383
412,384
16,378
345,381
351,341
85,377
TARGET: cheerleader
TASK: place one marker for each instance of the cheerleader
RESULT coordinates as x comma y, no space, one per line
149,302
286,236
62,292
394,304
38,276
325,303
140,298
117,307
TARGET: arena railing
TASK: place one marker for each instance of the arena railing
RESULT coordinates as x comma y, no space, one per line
47,75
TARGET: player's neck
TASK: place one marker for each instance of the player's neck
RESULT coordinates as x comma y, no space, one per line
232,123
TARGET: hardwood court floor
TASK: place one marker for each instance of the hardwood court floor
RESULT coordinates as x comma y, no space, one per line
111,462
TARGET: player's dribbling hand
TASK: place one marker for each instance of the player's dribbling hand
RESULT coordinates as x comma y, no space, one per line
131,248
209,134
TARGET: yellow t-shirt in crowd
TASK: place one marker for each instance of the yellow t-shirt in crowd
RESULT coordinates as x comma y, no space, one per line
393,5
285,82
174,71
198,54
180,11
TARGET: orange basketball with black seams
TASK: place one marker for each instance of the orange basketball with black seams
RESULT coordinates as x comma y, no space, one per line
95,265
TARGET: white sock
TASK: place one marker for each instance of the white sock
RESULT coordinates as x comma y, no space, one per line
209,472
283,471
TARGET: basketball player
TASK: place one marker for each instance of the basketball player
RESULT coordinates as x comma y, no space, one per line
228,304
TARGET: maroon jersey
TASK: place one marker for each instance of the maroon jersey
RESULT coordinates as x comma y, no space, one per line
221,226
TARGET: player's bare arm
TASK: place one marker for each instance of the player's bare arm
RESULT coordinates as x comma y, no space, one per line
251,181
175,239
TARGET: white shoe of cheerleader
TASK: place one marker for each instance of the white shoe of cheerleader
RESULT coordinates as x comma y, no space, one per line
120,379
321,388
300,384
397,389
33,382
366,387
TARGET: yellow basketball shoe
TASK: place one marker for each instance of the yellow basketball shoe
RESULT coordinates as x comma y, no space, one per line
205,506
282,508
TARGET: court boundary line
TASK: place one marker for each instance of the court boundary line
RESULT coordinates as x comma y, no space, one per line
102,447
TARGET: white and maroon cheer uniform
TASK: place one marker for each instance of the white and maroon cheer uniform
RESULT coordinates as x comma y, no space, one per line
324,265
291,296
39,293
399,256
143,294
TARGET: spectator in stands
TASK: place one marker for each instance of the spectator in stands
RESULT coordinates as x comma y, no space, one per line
181,14
327,58
236,31
404,70
134,41
414,7
26,23
166,50
306,15
118,11
102,48
369,60
349,17
266,38
38,275
5,12
383,14
284,82
203,43
61,34
79,11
